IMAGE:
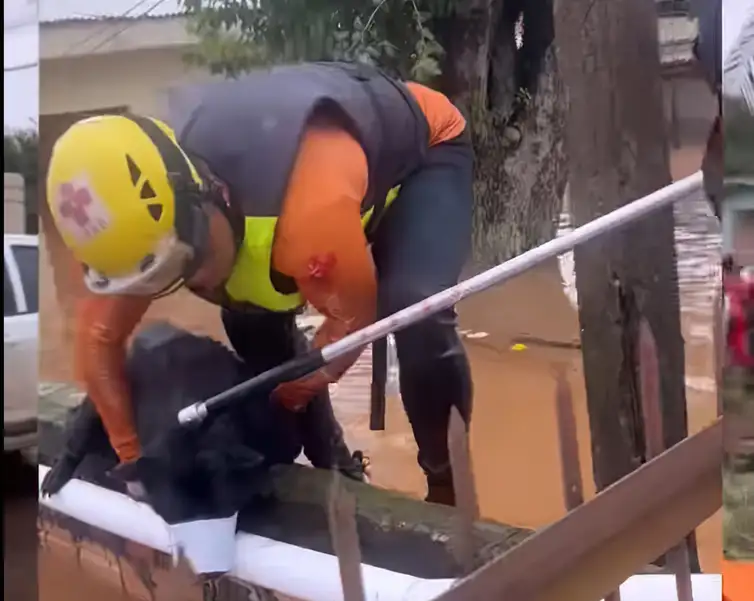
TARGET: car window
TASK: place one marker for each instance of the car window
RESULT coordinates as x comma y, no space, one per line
27,258
9,300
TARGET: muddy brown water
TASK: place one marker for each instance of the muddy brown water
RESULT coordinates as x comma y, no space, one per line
514,437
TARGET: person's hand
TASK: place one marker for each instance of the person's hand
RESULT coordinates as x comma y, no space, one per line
295,396
128,473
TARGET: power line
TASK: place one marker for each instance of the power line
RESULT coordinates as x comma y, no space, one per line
127,26
22,67
123,15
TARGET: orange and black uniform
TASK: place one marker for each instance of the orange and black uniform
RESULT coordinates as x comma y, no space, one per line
418,249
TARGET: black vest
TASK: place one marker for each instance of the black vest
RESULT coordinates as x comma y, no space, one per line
248,130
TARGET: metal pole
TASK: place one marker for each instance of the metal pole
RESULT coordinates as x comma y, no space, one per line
497,275
621,217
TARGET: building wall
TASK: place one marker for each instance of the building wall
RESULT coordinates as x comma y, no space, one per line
689,108
135,79
14,211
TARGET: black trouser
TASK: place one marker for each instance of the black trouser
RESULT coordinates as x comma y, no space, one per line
264,341
419,249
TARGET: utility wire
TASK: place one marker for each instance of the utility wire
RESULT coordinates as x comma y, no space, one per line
127,26
21,67
128,12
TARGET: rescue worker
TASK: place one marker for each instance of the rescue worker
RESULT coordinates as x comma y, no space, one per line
280,189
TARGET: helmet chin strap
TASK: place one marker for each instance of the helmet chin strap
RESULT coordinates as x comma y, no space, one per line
174,287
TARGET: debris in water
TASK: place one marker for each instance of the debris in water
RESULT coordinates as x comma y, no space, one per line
475,335
519,347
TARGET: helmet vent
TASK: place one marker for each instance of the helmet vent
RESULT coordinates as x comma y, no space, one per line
133,170
147,192
155,211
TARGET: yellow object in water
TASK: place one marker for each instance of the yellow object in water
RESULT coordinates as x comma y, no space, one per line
518,347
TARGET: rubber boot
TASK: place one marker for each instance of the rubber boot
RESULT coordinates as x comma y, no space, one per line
442,494
440,488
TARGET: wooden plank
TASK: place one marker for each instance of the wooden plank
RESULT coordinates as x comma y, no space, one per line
573,490
345,539
462,542
649,378
597,546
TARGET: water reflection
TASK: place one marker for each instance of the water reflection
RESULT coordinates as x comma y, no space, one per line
698,244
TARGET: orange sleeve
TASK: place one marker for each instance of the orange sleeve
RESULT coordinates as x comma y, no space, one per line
103,326
320,240
444,119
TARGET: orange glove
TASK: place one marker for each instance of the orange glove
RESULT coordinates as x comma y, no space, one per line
296,395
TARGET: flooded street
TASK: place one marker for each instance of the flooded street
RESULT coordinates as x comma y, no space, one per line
514,436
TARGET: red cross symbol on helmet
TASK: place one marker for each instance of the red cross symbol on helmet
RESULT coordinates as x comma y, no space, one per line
74,204
81,215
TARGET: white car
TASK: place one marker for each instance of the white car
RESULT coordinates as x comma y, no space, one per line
20,330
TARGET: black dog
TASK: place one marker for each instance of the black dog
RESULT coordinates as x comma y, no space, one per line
210,470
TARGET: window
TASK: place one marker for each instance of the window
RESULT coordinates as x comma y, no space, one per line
9,301
27,258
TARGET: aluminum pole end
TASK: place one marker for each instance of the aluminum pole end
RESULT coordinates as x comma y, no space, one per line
193,414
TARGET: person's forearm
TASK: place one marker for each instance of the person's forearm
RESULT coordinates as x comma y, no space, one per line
103,325
347,307
105,380
320,240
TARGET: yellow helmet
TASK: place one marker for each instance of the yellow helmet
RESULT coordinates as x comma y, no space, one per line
127,202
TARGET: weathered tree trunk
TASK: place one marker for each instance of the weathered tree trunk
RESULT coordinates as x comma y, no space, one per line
617,152
513,97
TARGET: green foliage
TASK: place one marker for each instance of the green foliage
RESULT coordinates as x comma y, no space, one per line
20,150
237,35
21,155
738,136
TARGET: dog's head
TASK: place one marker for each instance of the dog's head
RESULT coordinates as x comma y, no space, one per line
197,473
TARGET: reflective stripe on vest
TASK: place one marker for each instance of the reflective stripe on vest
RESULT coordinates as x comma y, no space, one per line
250,280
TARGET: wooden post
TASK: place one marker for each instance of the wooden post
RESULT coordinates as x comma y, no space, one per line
649,376
345,539
573,489
462,543
617,149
